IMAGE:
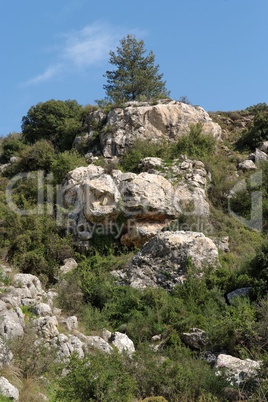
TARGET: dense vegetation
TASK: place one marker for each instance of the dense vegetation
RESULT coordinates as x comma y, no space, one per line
38,243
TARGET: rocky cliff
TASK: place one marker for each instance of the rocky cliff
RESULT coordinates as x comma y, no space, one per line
163,120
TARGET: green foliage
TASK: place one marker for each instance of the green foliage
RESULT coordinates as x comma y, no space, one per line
64,162
11,146
257,132
136,76
55,121
196,144
98,377
35,244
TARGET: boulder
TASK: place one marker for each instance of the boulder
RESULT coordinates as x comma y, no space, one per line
195,339
8,390
69,265
163,259
241,292
30,282
164,120
11,322
130,206
122,342
6,355
47,326
237,371
264,147
247,165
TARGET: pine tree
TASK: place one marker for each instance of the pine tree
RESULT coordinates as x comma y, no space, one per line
136,76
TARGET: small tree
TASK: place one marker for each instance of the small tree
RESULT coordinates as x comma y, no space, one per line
56,121
136,76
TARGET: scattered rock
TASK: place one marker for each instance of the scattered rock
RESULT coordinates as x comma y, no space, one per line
237,371
242,292
8,390
195,339
69,265
163,260
247,165
122,342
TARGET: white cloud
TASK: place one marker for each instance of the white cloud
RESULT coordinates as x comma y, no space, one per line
90,46
46,75
84,48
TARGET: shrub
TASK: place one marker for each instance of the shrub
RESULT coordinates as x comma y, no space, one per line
196,144
98,377
56,121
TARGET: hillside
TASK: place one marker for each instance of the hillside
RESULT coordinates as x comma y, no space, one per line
133,245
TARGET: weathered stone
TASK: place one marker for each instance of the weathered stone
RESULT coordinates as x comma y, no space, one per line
6,355
145,202
260,156
11,323
163,260
8,390
242,292
69,265
166,120
42,309
47,326
264,147
122,342
247,165
96,342
196,338
235,370
30,282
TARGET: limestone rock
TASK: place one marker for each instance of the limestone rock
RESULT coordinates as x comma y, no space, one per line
196,338
96,342
264,147
30,282
165,120
247,165
69,265
8,390
11,322
235,370
47,326
6,355
163,259
122,342
145,202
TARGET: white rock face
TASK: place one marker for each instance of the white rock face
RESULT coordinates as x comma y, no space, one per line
122,342
235,370
163,259
167,120
147,202
8,390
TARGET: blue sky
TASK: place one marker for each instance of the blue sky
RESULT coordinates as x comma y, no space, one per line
212,51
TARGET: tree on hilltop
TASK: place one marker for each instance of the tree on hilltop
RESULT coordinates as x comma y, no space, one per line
136,76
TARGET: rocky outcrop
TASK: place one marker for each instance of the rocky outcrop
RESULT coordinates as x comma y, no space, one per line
163,260
8,390
237,371
134,207
164,120
25,303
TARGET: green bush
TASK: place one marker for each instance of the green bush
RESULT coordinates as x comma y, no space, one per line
196,144
56,121
64,162
257,132
99,377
